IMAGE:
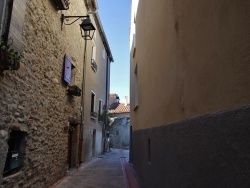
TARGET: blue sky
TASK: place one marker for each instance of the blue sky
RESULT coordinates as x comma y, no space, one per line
115,18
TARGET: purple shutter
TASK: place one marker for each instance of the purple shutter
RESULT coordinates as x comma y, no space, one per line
67,69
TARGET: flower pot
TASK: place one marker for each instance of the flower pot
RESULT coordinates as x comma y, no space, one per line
74,90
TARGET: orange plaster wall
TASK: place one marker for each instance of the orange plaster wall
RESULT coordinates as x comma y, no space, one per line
193,58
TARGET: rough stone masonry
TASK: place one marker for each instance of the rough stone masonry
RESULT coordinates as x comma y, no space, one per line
34,100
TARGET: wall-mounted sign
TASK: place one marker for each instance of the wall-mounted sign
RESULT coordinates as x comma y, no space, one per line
67,69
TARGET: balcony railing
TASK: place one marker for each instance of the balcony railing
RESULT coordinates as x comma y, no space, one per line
93,65
93,114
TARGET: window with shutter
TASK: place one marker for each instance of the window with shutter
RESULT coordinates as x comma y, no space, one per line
67,69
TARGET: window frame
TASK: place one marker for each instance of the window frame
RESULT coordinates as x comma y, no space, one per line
5,19
16,149
100,107
136,88
92,104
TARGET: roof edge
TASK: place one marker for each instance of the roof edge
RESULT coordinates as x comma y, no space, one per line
103,36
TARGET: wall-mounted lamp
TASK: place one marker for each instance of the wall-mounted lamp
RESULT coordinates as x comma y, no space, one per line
86,27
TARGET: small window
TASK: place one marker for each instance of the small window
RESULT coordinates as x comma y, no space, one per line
149,151
93,113
104,53
16,151
94,51
100,108
136,94
92,102
6,12
93,60
69,71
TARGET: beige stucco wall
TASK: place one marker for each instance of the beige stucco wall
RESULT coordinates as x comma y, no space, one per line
192,57
96,82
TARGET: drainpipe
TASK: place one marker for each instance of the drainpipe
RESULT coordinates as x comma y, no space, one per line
82,103
106,102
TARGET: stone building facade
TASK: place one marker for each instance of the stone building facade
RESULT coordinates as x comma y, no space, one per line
40,125
189,92
119,126
119,132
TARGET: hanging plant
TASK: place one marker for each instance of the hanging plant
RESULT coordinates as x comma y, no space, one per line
9,58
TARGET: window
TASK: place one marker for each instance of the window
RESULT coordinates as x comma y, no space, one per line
104,53
93,60
93,114
136,89
94,50
12,15
69,71
92,101
134,45
5,16
100,109
149,151
16,151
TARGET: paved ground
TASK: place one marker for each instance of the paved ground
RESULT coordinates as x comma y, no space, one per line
111,170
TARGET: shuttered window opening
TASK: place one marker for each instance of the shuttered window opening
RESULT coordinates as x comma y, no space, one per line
16,152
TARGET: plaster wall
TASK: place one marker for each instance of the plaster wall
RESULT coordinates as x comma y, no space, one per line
33,99
96,82
192,59
206,151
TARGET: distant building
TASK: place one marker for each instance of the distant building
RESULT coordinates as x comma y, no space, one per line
119,127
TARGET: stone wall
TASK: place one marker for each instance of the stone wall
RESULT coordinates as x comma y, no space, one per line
119,133
34,100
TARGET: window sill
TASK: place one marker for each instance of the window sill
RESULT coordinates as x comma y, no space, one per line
135,108
92,117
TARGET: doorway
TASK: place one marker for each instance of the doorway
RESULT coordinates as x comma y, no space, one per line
73,146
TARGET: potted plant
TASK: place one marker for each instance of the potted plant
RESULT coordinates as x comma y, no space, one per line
74,90
9,58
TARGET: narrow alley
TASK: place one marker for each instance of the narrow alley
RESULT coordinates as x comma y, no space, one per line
106,171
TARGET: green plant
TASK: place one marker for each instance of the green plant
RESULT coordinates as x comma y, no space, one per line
9,58
104,116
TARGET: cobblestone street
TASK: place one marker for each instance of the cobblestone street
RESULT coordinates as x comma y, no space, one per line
111,170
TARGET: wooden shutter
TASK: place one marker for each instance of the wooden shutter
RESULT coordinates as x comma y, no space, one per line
67,69
17,24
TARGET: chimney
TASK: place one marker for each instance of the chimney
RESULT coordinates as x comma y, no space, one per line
117,99
126,100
